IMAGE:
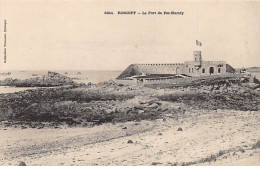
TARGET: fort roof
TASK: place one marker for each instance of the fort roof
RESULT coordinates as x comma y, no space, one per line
139,69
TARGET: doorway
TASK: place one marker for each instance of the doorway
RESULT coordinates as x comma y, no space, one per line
211,70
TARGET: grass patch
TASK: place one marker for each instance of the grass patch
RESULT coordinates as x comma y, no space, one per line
212,157
58,105
235,100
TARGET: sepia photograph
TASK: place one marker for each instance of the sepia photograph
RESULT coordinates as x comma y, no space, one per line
129,83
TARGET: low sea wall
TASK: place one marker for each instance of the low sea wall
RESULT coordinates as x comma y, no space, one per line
176,80
126,82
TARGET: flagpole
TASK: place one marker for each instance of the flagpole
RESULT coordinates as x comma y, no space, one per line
197,30
197,21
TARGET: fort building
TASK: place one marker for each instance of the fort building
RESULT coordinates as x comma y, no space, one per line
162,71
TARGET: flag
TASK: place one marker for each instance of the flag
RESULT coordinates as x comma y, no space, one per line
198,43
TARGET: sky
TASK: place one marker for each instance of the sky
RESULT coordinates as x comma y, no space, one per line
77,35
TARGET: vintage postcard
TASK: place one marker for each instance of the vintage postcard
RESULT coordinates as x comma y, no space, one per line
129,83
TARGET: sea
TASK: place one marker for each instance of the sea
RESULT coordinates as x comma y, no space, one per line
79,76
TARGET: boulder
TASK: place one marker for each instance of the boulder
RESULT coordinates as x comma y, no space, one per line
108,111
22,164
140,111
130,142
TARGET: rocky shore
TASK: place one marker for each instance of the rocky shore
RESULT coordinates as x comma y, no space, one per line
111,102
51,79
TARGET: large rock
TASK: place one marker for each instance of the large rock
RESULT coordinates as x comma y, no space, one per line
22,164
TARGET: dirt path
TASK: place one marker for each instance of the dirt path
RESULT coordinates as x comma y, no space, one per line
208,138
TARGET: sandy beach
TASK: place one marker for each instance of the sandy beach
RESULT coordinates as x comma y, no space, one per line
225,137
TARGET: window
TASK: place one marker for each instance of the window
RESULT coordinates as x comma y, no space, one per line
192,70
219,70
203,70
189,70
211,70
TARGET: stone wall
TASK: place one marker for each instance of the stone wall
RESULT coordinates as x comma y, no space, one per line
207,68
190,68
190,79
163,68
